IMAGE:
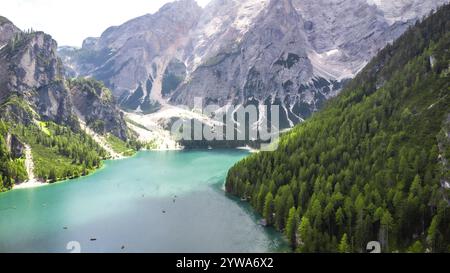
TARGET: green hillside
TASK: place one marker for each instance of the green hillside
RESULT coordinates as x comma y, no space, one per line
58,151
373,164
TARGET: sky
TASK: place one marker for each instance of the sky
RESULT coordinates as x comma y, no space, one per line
71,21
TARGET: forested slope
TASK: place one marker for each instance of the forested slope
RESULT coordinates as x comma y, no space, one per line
373,164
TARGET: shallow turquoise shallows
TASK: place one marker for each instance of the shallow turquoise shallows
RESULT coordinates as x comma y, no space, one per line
153,202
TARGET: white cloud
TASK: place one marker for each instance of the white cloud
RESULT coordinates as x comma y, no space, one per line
70,21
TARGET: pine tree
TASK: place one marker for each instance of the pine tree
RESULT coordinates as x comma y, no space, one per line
386,227
417,247
344,247
305,232
52,175
291,227
268,208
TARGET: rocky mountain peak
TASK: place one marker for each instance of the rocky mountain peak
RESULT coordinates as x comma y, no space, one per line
294,53
221,26
170,20
128,57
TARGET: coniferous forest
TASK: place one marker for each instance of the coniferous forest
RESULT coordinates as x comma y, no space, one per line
373,165
58,153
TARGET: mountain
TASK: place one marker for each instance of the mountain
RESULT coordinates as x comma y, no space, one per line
129,57
293,53
373,164
63,128
32,71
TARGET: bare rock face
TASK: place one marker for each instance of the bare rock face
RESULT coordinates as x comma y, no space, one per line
293,53
32,71
174,75
126,56
34,62
404,10
15,146
263,64
95,104
7,30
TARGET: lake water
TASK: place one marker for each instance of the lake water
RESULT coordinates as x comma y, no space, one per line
153,202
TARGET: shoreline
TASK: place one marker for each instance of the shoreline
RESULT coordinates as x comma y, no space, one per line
29,185
249,149
37,184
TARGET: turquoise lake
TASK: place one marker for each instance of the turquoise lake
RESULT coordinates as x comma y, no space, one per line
153,202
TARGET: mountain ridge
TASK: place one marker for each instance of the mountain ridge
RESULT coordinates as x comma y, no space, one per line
228,59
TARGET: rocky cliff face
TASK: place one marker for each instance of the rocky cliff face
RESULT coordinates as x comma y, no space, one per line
95,105
33,86
32,71
14,146
294,53
7,30
129,55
